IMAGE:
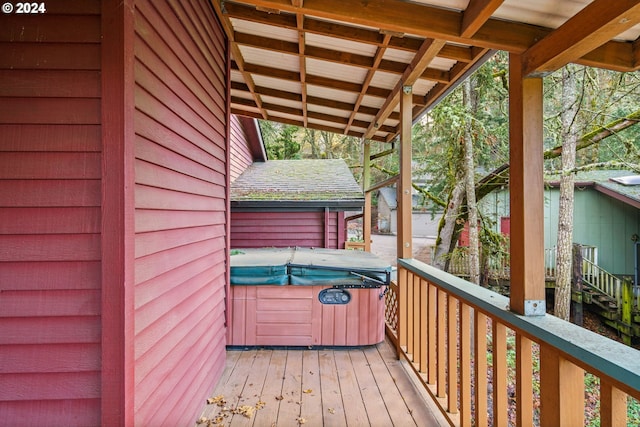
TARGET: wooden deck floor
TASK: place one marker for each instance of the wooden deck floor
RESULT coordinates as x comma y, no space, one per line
330,387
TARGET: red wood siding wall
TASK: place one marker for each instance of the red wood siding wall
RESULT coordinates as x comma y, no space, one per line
180,199
285,229
241,157
50,220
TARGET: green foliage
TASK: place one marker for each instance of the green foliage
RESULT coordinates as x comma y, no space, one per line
280,140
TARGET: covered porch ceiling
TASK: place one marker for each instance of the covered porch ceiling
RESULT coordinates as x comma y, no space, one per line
339,65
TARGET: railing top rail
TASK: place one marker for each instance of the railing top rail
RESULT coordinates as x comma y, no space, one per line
587,349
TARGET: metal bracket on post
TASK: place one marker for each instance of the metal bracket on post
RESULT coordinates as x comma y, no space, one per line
535,308
407,89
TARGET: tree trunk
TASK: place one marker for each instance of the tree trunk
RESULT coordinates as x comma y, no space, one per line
446,243
469,180
569,137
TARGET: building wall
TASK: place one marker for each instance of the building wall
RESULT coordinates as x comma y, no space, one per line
601,221
285,229
50,216
240,153
180,209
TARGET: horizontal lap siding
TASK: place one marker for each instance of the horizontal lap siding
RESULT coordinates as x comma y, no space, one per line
50,216
286,229
240,154
180,198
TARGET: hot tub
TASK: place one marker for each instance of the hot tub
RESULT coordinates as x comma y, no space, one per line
307,297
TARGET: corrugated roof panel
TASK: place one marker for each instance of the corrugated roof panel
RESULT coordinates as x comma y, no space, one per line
329,93
442,64
276,116
263,30
333,70
397,55
385,80
328,110
271,58
422,86
446,4
546,13
326,123
241,94
372,101
364,117
340,45
281,101
279,84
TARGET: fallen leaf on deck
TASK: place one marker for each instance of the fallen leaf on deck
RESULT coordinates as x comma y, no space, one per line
301,420
218,400
332,411
202,420
246,410
281,397
260,404
307,391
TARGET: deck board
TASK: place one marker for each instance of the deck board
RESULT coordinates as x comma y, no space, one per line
361,386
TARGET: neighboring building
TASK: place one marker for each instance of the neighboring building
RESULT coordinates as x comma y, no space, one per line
424,219
606,215
282,203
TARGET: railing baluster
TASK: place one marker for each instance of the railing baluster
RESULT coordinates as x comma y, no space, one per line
415,319
402,307
465,365
422,315
499,350
613,406
524,382
441,382
410,315
432,376
452,349
480,368
561,390
436,309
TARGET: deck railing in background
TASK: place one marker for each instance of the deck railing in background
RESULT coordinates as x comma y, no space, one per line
483,364
602,280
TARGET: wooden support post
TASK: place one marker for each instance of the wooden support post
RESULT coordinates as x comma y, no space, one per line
561,390
366,183
526,191
404,183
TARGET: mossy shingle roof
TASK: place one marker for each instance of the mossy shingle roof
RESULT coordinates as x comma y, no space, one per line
317,182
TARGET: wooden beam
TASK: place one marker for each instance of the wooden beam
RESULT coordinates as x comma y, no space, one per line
477,13
593,26
404,187
366,180
526,191
237,55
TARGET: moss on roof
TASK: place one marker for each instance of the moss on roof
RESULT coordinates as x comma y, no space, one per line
297,180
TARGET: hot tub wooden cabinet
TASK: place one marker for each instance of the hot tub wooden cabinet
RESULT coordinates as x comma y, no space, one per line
307,297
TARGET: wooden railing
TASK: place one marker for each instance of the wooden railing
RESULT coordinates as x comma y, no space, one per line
484,365
602,280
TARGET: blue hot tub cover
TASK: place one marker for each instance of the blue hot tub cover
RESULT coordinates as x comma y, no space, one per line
308,266
266,266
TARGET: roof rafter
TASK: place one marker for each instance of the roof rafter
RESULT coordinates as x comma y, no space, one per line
423,20
477,13
425,55
589,29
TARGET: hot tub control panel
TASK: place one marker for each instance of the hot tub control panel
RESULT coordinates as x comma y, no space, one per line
334,296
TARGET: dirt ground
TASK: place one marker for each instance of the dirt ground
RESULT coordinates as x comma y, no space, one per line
384,246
